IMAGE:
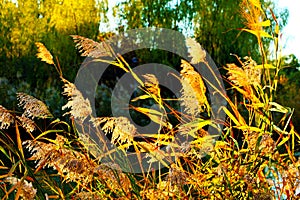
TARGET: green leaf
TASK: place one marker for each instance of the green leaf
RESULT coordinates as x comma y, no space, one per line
4,152
47,132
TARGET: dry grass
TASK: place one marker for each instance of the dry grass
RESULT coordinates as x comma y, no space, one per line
254,157
33,107
5,118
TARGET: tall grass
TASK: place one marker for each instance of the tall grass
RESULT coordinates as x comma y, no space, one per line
253,158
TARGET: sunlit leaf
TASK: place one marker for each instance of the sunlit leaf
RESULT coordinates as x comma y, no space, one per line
284,140
278,108
4,152
145,96
249,128
277,129
265,66
264,23
231,116
154,115
47,132
258,33
256,3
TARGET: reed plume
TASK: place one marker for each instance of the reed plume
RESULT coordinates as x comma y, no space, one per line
25,189
152,84
70,164
88,47
252,14
33,107
5,118
197,53
248,74
44,54
27,123
247,78
80,108
193,90
120,127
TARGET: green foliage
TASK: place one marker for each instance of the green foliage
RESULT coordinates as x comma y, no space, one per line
255,156
25,22
215,24
216,27
288,87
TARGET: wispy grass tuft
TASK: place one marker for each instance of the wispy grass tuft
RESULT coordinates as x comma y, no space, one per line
253,158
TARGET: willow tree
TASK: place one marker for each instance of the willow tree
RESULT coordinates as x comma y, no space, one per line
70,17
148,13
215,24
24,22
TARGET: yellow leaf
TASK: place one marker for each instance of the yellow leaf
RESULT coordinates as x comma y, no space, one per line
264,23
155,135
199,123
265,66
154,115
277,29
258,33
258,105
264,34
145,96
222,145
231,116
250,128
148,111
278,130
284,140
19,141
256,3
278,108
244,150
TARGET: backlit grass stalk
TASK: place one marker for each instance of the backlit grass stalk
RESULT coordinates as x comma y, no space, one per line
253,158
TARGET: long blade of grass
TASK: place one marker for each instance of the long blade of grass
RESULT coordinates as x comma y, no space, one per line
232,117
19,141
47,132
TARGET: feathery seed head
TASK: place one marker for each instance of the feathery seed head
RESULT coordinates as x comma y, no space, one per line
80,107
70,164
27,123
44,54
33,107
5,118
252,12
151,83
197,53
122,130
253,74
88,47
26,190
176,176
193,90
237,75
245,76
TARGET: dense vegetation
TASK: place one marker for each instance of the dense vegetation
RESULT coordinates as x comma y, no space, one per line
46,155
